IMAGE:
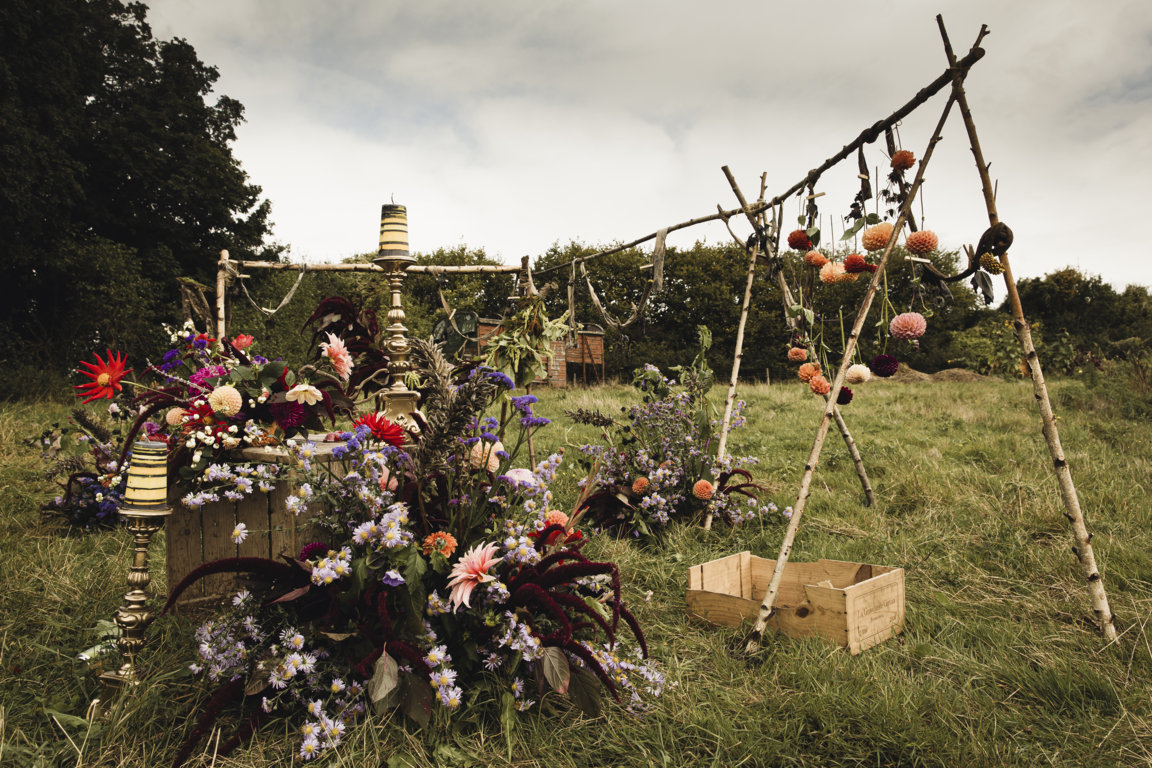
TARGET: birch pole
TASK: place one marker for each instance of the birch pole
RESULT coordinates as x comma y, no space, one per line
768,607
753,256
1081,539
786,296
221,301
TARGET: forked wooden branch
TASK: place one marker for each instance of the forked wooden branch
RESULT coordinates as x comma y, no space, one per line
867,136
1082,540
793,323
768,606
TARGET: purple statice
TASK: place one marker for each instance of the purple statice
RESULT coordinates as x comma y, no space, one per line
171,361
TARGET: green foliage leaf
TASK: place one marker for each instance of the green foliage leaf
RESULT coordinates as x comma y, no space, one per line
383,687
417,699
556,669
584,691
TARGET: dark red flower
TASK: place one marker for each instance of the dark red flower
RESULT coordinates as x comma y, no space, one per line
844,397
105,377
884,365
798,240
382,429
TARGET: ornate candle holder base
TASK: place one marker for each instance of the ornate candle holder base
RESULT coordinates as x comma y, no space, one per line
133,616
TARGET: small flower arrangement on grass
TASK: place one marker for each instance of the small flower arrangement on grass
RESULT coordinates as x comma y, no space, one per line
659,462
448,582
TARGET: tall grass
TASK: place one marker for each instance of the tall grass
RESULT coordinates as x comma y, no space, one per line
999,664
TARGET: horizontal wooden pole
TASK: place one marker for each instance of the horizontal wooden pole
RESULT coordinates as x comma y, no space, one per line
432,269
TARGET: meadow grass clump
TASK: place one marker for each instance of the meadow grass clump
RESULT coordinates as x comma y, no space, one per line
999,664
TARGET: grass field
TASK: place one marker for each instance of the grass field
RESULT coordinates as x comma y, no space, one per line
999,664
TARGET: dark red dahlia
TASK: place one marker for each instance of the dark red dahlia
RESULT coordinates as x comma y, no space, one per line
884,365
844,397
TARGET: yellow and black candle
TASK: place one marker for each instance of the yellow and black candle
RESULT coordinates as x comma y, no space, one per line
393,231
147,478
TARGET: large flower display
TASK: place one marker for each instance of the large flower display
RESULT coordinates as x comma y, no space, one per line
441,583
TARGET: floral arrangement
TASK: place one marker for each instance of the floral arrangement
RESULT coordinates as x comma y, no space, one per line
448,581
659,462
207,398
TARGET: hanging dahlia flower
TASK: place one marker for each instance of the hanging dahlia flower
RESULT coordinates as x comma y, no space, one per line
902,160
807,371
832,272
855,263
844,397
798,240
909,325
922,242
819,385
875,238
857,374
884,365
797,354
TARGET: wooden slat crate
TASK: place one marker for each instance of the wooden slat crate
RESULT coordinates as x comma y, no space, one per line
854,605
198,536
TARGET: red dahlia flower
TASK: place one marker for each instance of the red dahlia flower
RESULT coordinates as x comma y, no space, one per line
105,377
382,429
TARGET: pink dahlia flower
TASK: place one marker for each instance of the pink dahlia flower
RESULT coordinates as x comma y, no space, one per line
339,355
471,569
910,325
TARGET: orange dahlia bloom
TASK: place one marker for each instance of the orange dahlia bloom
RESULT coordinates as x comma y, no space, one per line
105,377
702,490
808,370
444,543
639,485
797,354
819,385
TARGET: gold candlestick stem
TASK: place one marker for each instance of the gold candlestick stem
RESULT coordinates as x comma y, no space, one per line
399,401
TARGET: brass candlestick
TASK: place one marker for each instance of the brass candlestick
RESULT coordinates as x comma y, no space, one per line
399,401
145,506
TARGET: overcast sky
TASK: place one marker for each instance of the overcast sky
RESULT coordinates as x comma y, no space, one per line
509,125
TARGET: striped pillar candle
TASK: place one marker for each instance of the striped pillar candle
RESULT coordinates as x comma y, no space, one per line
393,231
147,489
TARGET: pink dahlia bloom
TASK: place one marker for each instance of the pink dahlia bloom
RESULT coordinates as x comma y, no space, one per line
471,569
910,325
339,355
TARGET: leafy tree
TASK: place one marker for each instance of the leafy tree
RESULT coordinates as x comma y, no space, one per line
118,179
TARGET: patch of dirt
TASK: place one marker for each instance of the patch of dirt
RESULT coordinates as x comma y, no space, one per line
958,374
904,373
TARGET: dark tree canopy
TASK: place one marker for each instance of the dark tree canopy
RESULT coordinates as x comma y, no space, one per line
118,177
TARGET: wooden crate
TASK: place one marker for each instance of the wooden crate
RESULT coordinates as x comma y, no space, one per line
854,605
197,536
